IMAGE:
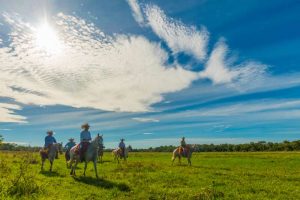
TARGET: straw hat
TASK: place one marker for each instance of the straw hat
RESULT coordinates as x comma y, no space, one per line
84,126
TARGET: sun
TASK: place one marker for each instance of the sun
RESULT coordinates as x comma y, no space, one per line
47,39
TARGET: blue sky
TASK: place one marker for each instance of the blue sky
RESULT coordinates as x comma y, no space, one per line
150,71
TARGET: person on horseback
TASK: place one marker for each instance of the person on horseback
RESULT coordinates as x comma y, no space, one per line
85,138
70,144
183,145
68,147
122,146
49,141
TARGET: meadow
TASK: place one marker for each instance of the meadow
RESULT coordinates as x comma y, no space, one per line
263,175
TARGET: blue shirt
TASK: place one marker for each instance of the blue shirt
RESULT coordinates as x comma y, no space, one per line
49,140
85,136
122,145
69,145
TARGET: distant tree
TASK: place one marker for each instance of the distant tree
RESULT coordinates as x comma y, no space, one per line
1,139
129,147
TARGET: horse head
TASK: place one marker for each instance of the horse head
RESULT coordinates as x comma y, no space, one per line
59,147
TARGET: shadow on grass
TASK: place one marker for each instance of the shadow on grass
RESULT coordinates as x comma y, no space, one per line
51,174
102,183
104,161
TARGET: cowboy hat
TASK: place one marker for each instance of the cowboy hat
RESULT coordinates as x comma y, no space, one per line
71,139
50,132
183,138
122,139
86,125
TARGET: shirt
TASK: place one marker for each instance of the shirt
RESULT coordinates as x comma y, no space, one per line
121,145
69,145
85,136
49,140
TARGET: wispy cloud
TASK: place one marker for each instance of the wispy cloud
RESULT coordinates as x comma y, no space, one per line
101,72
7,114
140,119
221,69
136,11
179,37
148,133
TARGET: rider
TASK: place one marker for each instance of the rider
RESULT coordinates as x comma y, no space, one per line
85,138
70,144
49,141
183,145
68,147
122,147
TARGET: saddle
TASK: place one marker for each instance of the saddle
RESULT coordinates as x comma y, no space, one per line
44,153
184,151
81,151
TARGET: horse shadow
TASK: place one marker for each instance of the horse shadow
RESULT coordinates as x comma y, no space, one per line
51,174
102,183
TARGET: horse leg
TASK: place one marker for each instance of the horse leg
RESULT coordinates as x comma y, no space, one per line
95,168
173,158
189,160
42,167
85,166
51,163
179,160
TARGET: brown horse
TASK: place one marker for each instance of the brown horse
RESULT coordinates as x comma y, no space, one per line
179,153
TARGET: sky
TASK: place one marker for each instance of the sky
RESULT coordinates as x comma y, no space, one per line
150,71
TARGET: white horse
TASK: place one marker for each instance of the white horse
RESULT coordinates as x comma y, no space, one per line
178,153
117,154
90,155
52,152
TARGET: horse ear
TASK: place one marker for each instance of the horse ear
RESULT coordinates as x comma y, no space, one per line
98,134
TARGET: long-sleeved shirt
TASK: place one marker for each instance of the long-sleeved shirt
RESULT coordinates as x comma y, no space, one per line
183,143
122,145
85,136
49,140
69,145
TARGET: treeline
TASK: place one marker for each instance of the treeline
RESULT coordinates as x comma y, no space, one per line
247,147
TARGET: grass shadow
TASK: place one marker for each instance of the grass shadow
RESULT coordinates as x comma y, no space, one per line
102,183
51,174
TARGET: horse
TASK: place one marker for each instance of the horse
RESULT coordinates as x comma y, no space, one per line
90,155
100,150
52,152
117,154
179,154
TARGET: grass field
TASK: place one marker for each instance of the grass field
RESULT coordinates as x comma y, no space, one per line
151,176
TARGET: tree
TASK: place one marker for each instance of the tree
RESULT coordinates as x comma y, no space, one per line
1,139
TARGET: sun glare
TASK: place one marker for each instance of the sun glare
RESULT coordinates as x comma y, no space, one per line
47,39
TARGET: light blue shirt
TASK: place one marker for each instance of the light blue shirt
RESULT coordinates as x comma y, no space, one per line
69,145
85,136
121,145
49,140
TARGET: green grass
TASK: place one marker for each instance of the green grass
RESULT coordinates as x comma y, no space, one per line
151,176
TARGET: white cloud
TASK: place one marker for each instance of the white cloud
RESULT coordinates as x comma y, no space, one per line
136,11
179,37
148,133
7,114
93,70
221,69
140,119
